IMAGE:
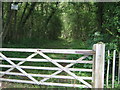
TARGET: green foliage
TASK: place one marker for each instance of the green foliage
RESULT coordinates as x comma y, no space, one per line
62,25
111,17
54,28
70,21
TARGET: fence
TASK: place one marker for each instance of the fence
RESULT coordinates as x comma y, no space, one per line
67,68
113,64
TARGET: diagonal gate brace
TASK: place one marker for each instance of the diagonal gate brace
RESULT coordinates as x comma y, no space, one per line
63,68
67,66
21,70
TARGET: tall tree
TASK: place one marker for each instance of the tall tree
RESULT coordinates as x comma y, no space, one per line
100,7
8,20
0,24
24,18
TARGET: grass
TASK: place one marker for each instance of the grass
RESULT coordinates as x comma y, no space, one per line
49,44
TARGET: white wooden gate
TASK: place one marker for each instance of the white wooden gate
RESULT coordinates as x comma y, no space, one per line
95,80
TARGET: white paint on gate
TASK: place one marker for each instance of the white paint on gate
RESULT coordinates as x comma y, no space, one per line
59,68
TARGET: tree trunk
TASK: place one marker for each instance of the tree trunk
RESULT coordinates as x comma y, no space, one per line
7,23
23,14
25,18
0,24
99,13
14,34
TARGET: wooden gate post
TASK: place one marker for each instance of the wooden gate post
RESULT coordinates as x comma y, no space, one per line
98,65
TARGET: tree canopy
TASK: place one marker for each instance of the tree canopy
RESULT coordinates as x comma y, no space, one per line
91,22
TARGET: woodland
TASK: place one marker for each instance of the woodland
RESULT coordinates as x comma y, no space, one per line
37,23
61,25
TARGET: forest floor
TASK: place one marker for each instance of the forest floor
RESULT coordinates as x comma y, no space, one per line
49,44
